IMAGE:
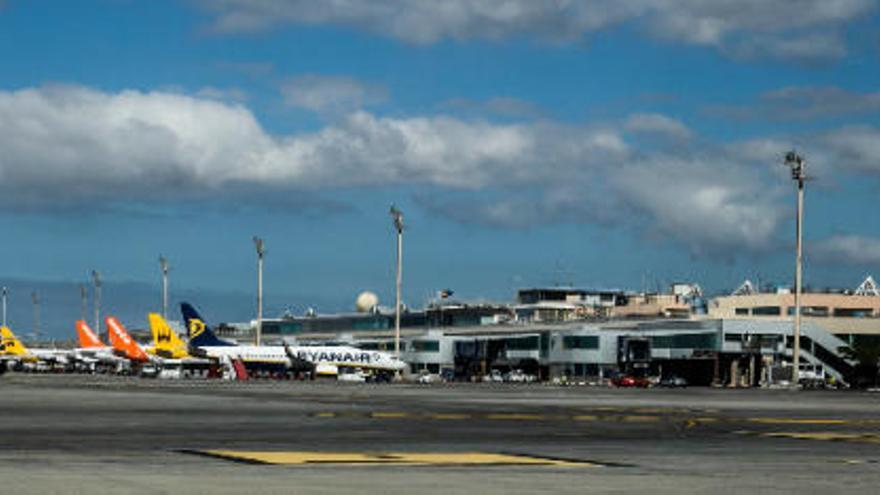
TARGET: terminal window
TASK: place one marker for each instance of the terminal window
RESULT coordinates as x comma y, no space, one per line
766,311
580,342
426,345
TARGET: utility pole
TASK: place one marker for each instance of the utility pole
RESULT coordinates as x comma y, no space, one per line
397,219
36,298
797,165
96,279
163,262
84,301
261,251
5,296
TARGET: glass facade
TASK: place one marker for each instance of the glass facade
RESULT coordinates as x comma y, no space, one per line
580,342
685,341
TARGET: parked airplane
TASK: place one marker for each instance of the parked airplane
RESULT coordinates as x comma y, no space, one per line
123,343
92,351
326,359
166,342
13,351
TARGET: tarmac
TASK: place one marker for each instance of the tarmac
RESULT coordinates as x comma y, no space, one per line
97,434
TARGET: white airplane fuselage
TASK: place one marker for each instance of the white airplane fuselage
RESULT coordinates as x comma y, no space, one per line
324,357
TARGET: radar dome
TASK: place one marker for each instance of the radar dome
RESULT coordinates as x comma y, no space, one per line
366,301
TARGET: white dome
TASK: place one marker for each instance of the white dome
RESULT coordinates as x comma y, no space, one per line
366,301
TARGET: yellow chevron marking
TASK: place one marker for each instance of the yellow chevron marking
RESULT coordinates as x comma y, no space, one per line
393,458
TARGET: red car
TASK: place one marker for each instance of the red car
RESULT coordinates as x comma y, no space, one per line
631,381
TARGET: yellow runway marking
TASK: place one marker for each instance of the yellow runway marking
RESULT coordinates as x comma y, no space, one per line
585,417
450,416
389,415
518,417
827,436
641,419
798,421
393,458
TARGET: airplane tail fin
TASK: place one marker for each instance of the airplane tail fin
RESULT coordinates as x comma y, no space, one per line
123,342
200,334
165,339
87,337
10,345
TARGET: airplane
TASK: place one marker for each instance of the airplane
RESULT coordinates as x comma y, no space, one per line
92,351
15,353
326,359
166,342
124,344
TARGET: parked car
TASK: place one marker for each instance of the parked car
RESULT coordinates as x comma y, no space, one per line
356,376
673,381
631,382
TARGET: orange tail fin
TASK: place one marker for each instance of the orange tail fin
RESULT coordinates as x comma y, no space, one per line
122,341
87,337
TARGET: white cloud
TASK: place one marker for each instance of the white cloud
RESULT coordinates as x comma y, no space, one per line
802,103
331,94
805,30
652,123
77,146
848,249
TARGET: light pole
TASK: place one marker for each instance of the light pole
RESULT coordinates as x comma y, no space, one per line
397,218
96,279
163,262
5,295
84,301
36,298
261,251
797,165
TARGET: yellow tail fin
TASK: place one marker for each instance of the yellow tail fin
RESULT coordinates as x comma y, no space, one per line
10,345
165,339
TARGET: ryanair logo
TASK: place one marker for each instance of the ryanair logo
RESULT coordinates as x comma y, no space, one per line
196,328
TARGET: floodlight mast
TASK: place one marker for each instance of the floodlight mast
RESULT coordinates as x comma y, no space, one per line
36,298
96,279
797,165
84,301
261,251
5,296
397,219
163,263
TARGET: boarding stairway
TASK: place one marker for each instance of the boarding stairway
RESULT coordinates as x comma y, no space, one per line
818,346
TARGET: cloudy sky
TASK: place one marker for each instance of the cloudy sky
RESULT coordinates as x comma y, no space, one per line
603,143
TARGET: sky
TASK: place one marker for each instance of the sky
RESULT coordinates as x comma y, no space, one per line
602,144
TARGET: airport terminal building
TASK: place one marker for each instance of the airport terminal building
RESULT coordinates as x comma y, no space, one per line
572,334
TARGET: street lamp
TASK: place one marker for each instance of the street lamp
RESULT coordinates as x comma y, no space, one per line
261,251
397,219
36,298
797,165
84,301
5,296
96,279
163,262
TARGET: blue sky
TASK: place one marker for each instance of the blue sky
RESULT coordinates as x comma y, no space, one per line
606,144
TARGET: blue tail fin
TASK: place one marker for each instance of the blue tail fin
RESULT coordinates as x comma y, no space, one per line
200,334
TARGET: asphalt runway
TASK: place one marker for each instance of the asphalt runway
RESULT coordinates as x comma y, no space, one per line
82,434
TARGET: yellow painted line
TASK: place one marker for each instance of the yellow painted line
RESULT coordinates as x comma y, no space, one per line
325,415
585,417
517,417
640,419
393,458
389,415
450,416
798,421
827,436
